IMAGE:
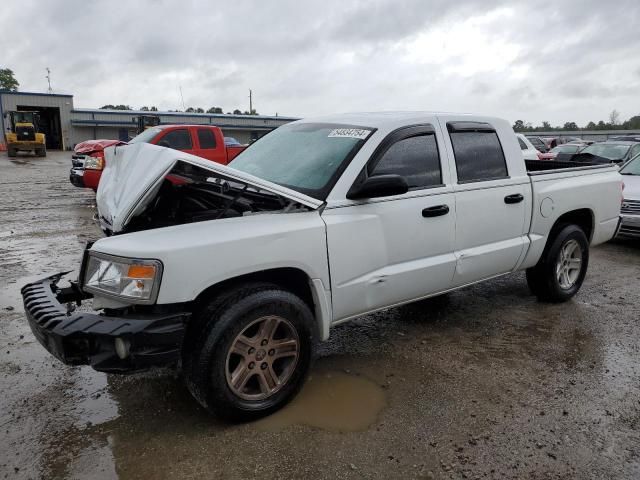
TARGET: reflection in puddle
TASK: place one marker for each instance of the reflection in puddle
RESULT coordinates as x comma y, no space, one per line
331,401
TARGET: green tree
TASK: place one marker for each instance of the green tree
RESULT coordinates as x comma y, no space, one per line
215,110
8,82
570,126
237,112
614,117
115,107
518,126
153,109
546,125
633,123
199,110
144,109
590,126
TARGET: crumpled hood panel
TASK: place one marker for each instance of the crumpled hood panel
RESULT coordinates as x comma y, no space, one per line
134,173
95,145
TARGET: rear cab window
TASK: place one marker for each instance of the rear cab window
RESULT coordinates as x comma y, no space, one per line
477,151
179,139
206,138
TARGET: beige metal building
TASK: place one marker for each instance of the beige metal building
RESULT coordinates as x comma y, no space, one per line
65,126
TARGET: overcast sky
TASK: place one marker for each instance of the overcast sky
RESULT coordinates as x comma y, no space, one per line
560,60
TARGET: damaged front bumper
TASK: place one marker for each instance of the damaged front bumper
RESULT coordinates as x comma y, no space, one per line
107,343
76,177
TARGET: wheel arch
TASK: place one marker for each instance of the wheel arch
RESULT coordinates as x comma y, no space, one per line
582,217
295,280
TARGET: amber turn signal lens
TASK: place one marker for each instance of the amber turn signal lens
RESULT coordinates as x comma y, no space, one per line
141,271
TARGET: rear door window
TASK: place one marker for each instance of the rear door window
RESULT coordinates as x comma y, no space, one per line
206,138
179,139
477,151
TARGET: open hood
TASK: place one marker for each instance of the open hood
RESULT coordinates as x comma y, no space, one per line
135,172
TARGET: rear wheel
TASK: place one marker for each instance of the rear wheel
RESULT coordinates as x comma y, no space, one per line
251,352
561,270
12,152
41,152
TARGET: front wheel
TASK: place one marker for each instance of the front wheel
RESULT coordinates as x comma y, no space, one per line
251,354
561,270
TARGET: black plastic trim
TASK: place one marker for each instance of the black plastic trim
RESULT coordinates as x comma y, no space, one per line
86,338
453,127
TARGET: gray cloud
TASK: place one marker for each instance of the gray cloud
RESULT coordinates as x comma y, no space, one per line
574,60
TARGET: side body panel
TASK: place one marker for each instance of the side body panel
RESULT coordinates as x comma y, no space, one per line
198,255
599,191
491,234
384,252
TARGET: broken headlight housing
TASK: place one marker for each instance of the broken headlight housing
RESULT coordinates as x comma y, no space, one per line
128,279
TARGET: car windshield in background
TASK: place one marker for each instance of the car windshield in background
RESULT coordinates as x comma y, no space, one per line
146,136
307,157
565,149
611,151
631,168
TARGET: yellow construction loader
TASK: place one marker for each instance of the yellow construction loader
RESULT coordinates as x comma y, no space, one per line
22,134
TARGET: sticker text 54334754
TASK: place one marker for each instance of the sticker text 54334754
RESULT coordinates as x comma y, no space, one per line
359,133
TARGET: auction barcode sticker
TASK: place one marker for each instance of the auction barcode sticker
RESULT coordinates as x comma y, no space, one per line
350,133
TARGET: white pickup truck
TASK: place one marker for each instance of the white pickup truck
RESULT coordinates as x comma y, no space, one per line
233,273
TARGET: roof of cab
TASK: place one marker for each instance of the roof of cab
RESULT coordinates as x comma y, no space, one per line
386,119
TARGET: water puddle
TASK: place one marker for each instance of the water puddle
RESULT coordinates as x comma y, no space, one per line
332,401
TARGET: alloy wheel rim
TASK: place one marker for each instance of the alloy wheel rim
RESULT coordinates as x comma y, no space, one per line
569,264
262,358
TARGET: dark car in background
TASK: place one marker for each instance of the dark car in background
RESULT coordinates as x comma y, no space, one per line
604,152
567,148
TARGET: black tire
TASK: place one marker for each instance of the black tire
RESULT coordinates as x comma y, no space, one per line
543,279
217,324
41,152
12,152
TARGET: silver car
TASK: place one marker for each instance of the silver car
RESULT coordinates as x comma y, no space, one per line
630,211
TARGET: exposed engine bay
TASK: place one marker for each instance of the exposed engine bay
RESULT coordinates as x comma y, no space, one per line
193,194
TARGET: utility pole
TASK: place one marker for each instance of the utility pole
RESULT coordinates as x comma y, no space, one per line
250,102
181,97
48,77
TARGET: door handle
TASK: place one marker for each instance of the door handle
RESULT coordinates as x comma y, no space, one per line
436,211
515,198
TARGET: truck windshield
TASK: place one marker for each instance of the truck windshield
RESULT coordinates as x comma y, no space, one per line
307,157
146,136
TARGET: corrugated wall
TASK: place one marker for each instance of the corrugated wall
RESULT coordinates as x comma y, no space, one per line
10,101
78,125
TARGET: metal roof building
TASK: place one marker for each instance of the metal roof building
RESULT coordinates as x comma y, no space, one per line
65,126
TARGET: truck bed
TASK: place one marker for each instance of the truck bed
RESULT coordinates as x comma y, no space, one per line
542,167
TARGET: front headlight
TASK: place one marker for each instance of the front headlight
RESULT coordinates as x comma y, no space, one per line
128,279
93,163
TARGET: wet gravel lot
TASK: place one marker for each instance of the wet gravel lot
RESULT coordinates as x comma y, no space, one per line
483,383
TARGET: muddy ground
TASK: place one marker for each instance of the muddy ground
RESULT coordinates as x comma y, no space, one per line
485,383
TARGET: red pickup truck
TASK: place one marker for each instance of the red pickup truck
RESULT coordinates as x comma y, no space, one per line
205,141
